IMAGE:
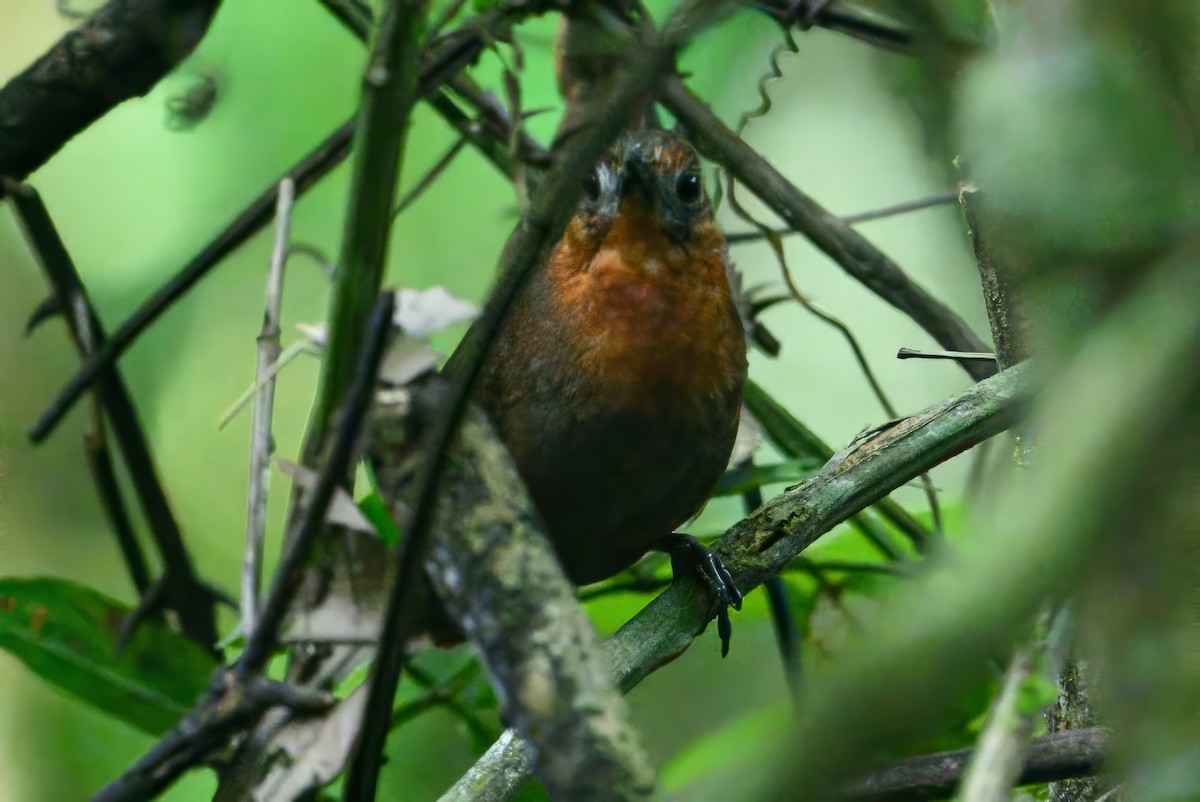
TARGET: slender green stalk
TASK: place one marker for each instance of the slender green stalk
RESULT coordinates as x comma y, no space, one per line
389,93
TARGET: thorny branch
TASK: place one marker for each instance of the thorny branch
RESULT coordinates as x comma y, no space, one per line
261,441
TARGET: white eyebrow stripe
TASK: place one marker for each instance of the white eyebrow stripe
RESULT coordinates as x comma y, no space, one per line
608,179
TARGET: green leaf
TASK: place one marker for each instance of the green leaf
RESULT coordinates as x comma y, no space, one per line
376,511
781,429
748,477
1036,693
723,763
67,633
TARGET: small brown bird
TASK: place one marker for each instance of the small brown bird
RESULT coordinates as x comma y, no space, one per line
617,379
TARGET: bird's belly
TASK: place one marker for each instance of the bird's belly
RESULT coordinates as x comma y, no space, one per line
611,485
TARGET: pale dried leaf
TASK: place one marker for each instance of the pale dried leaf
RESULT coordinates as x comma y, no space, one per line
316,333
407,359
342,509
317,749
749,438
422,312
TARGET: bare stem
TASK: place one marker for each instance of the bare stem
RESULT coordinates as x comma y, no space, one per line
264,402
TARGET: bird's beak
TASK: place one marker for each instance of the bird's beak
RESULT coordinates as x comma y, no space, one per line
638,178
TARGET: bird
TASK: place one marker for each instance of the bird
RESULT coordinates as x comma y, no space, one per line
616,379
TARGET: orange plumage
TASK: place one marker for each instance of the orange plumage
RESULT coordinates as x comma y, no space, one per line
616,382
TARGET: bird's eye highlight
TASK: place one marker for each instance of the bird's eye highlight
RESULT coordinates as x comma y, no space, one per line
591,186
687,187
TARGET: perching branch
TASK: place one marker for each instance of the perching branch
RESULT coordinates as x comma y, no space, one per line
500,579
119,52
794,439
763,544
840,242
858,218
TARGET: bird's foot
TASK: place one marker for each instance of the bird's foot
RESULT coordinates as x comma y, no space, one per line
690,555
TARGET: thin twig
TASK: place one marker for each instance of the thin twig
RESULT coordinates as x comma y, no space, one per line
304,346
261,442
939,199
100,463
229,706
179,587
430,176
840,242
311,523
910,353
450,54
447,695
787,635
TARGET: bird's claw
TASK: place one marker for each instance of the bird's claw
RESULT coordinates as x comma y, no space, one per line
689,554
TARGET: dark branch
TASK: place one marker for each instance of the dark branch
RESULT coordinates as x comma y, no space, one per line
181,589
840,242
118,53
229,707
1060,756
104,474
446,57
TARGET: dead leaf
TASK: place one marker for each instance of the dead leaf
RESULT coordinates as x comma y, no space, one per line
317,748
749,438
342,511
407,359
420,313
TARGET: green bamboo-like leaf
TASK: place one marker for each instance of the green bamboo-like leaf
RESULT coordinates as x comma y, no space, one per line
67,634
747,477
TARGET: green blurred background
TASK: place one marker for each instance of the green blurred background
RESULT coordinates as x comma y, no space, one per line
134,200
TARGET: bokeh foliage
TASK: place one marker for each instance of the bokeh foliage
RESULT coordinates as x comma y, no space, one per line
1090,172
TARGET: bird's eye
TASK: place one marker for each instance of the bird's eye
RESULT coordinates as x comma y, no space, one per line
591,186
687,187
